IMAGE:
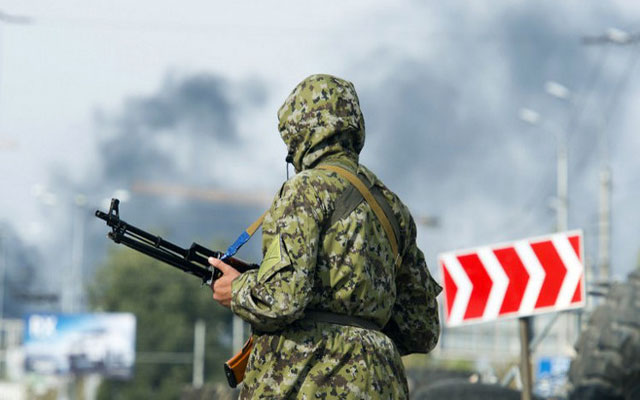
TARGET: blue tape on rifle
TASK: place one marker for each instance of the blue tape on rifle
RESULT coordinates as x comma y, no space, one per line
240,241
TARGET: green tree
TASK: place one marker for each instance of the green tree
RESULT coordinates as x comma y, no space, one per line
166,303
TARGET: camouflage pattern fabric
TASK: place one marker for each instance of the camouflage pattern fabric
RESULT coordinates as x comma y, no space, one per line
346,268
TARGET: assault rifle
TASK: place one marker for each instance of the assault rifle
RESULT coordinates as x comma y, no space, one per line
193,260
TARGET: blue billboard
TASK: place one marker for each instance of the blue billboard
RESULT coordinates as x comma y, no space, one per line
61,344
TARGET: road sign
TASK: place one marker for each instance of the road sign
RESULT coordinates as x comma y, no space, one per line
516,279
551,376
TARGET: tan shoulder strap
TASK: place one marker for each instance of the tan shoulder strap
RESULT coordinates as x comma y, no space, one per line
362,188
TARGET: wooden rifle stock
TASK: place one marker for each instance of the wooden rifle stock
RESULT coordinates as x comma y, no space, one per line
234,368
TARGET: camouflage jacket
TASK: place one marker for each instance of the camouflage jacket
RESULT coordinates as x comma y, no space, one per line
346,268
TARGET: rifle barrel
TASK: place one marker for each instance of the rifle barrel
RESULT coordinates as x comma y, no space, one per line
193,260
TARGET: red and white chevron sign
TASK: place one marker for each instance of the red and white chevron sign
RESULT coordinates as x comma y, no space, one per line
520,278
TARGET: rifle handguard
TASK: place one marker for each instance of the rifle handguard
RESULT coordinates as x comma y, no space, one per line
234,368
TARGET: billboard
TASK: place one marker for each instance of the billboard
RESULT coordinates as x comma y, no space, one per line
60,344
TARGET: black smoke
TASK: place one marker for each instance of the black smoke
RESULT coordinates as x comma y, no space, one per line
181,134
176,136
443,128
165,135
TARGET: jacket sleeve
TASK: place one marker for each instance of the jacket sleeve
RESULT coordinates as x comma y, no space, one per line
278,292
414,325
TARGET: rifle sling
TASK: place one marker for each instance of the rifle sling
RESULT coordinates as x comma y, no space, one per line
345,205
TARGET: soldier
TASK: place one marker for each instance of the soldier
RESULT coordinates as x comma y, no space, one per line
334,304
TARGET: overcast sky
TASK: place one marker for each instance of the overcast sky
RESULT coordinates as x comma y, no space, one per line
440,84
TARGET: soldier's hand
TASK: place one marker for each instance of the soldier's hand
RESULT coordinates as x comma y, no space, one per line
221,287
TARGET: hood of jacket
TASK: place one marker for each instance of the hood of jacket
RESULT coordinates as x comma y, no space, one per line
321,120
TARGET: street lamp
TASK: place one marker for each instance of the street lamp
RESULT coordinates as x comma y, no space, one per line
532,117
529,116
618,36
612,36
557,90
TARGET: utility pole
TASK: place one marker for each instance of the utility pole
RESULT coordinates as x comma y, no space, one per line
3,267
199,336
615,37
237,330
604,224
562,181
75,280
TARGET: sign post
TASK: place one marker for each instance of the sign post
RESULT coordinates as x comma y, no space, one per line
514,279
525,357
